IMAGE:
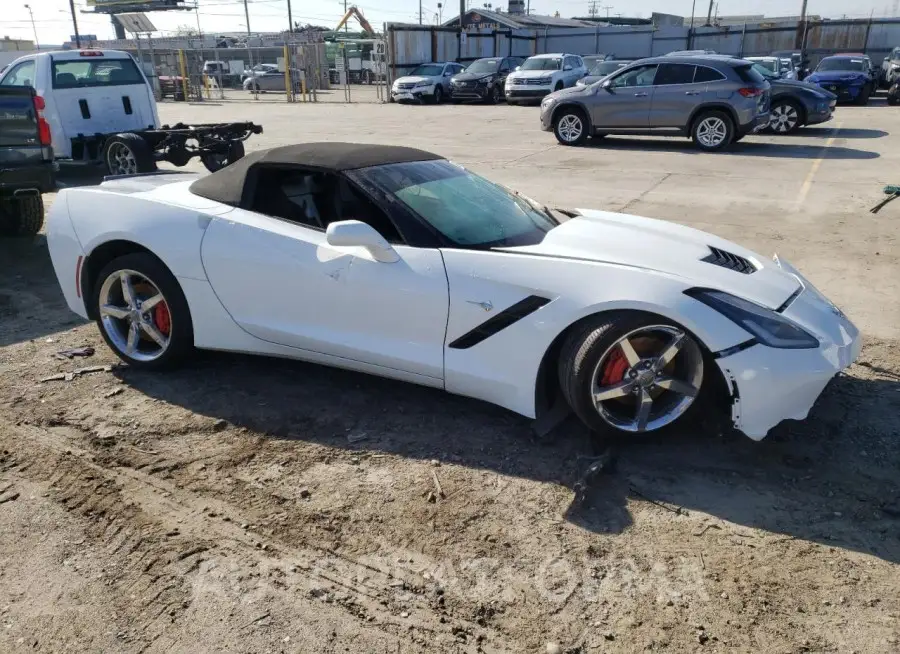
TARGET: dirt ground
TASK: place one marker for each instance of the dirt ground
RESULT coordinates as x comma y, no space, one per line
255,505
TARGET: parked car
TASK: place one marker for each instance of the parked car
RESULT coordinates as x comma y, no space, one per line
890,68
258,69
26,161
426,82
715,100
101,110
800,62
873,72
601,69
272,80
790,68
776,66
543,74
483,79
847,76
795,104
402,264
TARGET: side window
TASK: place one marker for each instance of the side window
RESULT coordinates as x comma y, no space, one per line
640,76
506,66
707,74
299,196
579,62
352,204
674,74
20,75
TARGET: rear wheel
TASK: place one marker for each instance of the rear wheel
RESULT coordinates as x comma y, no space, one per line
630,373
142,313
21,215
570,126
864,95
496,96
712,130
128,154
785,117
438,94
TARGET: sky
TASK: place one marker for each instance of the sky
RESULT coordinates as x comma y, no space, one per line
53,21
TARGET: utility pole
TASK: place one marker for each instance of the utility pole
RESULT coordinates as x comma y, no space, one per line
420,12
709,13
75,24
249,51
37,46
693,8
347,24
290,18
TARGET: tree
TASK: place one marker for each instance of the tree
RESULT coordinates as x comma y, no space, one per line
185,30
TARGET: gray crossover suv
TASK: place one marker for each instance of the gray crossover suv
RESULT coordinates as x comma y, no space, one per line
715,100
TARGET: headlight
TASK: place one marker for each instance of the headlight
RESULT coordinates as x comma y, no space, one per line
580,82
895,66
420,84
548,102
769,327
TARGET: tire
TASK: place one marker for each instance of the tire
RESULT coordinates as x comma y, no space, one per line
22,215
864,95
592,362
216,162
496,95
128,154
893,100
712,131
787,117
178,328
570,126
438,94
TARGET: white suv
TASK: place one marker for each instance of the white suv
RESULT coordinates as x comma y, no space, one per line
543,74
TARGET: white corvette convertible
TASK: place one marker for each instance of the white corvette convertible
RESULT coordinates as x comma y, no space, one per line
396,262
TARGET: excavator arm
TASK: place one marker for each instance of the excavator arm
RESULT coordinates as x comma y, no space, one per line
351,12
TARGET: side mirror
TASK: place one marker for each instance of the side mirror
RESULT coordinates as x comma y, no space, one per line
518,68
607,86
353,233
567,68
448,73
887,59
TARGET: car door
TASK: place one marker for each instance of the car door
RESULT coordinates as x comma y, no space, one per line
506,67
624,101
274,271
675,95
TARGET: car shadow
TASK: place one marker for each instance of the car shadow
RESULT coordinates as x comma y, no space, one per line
824,480
746,148
841,133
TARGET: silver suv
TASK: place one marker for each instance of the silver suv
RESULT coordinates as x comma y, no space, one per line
714,100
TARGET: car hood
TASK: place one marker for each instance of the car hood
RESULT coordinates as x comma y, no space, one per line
532,73
792,85
471,77
837,76
590,79
413,78
667,248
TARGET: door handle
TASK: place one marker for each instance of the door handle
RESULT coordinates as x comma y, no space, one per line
641,95
691,93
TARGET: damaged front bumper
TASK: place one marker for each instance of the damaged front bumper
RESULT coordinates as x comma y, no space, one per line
769,385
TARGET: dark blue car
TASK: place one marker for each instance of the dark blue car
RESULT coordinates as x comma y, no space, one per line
847,76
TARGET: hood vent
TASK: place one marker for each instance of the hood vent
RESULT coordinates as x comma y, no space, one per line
728,260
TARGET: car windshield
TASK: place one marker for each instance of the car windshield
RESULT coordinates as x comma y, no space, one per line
765,63
80,73
604,68
466,209
841,63
484,66
428,70
542,63
762,70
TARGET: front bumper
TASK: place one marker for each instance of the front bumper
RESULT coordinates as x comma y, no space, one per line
843,91
823,115
771,385
470,91
756,125
523,92
414,94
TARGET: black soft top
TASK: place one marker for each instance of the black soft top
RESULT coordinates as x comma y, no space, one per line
228,185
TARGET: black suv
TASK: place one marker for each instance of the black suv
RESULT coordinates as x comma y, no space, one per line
483,80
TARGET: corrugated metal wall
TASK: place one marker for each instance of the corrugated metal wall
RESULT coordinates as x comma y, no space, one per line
414,44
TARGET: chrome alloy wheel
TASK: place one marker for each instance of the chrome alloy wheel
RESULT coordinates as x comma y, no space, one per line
120,160
784,118
647,379
712,132
135,315
570,128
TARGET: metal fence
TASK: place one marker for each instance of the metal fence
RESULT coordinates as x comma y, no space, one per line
411,45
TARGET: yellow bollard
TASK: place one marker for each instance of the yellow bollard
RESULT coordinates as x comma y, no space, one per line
287,76
184,77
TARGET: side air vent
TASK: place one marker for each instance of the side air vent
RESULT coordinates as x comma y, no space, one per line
728,260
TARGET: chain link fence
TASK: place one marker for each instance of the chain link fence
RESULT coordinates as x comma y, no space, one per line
303,72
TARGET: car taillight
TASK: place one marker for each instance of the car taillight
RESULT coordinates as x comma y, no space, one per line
43,125
748,92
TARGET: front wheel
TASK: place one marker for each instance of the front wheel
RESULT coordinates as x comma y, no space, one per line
496,96
570,127
785,117
128,154
712,130
438,94
21,215
142,313
630,372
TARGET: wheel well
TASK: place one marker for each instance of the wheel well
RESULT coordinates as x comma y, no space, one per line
801,108
713,107
547,389
575,107
97,259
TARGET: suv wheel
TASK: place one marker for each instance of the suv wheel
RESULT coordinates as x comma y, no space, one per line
785,117
712,130
570,126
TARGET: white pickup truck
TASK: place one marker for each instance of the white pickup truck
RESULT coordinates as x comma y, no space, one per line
101,109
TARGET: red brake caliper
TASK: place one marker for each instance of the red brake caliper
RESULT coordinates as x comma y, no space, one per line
161,318
615,368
